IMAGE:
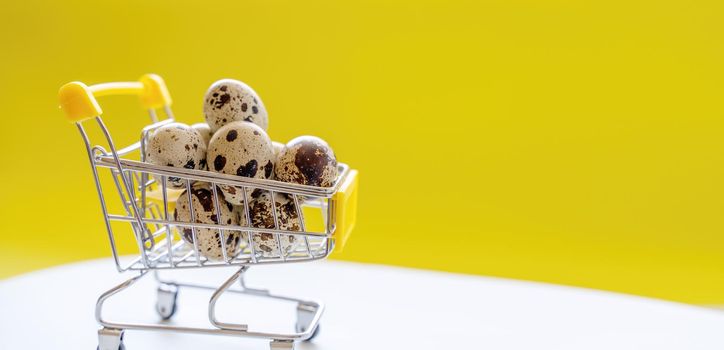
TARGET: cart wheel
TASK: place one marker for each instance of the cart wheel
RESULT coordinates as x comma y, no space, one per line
281,345
305,315
110,339
314,334
120,347
300,328
166,300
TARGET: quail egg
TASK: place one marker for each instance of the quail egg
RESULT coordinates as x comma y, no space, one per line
307,160
241,149
278,147
204,131
229,100
261,215
176,145
204,211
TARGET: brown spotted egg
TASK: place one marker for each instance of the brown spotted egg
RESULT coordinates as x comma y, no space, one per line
241,149
260,212
176,145
307,160
204,131
229,100
204,211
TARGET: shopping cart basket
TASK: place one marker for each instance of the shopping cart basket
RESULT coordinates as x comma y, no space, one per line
146,205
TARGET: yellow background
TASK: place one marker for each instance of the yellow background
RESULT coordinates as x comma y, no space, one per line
564,141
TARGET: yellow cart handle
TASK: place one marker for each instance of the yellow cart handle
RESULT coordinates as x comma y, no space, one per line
79,103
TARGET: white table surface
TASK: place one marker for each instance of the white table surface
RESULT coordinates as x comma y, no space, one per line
368,307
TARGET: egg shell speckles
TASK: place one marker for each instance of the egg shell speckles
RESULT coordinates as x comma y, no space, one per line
241,149
262,217
176,145
307,160
204,131
278,147
229,100
209,240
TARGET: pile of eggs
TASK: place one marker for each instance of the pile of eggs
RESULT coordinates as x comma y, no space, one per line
234,141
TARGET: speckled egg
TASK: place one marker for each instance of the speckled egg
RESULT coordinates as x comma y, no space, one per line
261,216
307,160
209,240
229,100
204,131
176,145
241,149
278,147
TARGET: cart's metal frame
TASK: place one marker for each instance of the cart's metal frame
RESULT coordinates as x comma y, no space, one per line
111,335
160,246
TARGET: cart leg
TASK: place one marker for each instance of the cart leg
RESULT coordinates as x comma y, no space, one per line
215,297
110,339
167,295
102,299
281,345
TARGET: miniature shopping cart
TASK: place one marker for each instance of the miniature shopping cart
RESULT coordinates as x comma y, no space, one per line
144,207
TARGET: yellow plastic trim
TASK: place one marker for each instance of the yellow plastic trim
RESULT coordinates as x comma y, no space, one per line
114,89
155,94
78,100
346,209
172,195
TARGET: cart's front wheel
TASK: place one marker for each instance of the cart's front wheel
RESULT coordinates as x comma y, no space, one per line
120,347
110,339
300,328
305,316
166,300
314,335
